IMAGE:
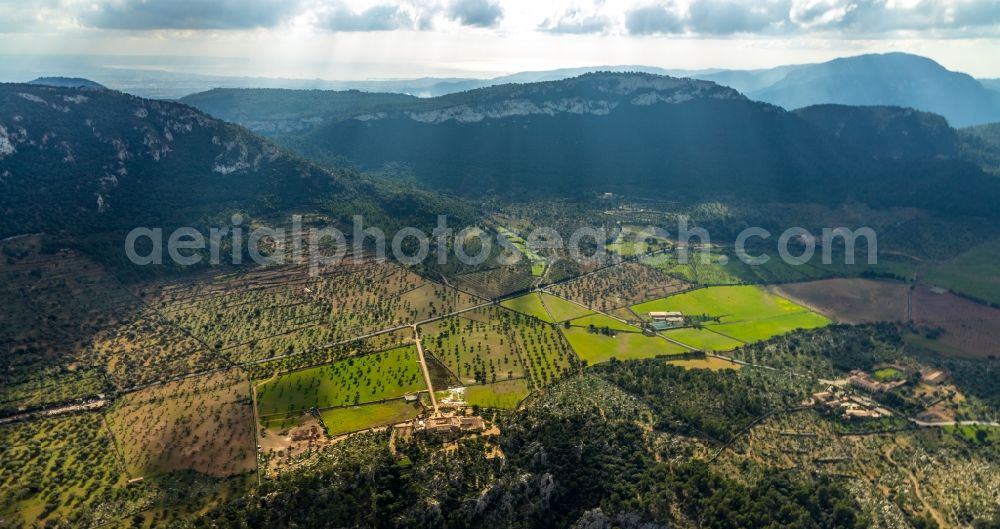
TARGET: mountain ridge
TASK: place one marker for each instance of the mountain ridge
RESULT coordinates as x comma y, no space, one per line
691,140
791,87
896,79
80,162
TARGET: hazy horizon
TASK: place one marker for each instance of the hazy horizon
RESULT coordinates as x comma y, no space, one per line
406,39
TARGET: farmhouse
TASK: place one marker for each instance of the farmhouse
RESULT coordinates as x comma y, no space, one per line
664,316
934,377
446,426
861,413
849,406
664,320
861,380
864,381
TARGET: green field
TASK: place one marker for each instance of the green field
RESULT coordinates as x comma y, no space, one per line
888,374
975,435
562,310
282,423
546,307
503,395
710,363
387,375
340,421
725,268
632,241
668,263
596,348
601,321
536,260
975,273
745,313
703,339
530,304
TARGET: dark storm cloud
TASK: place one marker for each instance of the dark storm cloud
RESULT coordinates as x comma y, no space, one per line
187,14
477,13
377,18
653,20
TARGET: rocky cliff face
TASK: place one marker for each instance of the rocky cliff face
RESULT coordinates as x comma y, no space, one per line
594,94
77,153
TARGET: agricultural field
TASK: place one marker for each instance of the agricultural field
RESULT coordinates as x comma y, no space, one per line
595,348
724,268
54,305
53,387
536,260
67,470
203,424
250,316
851,301
702,339
619,286
668,264
372,378
497,282
493,344
501,395
265,369
339,421
546,354
265,314
546,307
600,321
530,304
964,327
720,268
146,348
561,310
710,363
744,313
58,469
475,351
973,273
636,240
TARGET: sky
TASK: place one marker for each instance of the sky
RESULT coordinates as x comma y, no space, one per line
370,39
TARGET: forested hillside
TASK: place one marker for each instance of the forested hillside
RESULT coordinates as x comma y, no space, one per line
657,136
81,162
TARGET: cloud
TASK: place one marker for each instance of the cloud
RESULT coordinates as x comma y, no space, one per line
868,17
820,13
724,17
383,17
477,13
187,14
29,16
832,18
653,20
575,21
